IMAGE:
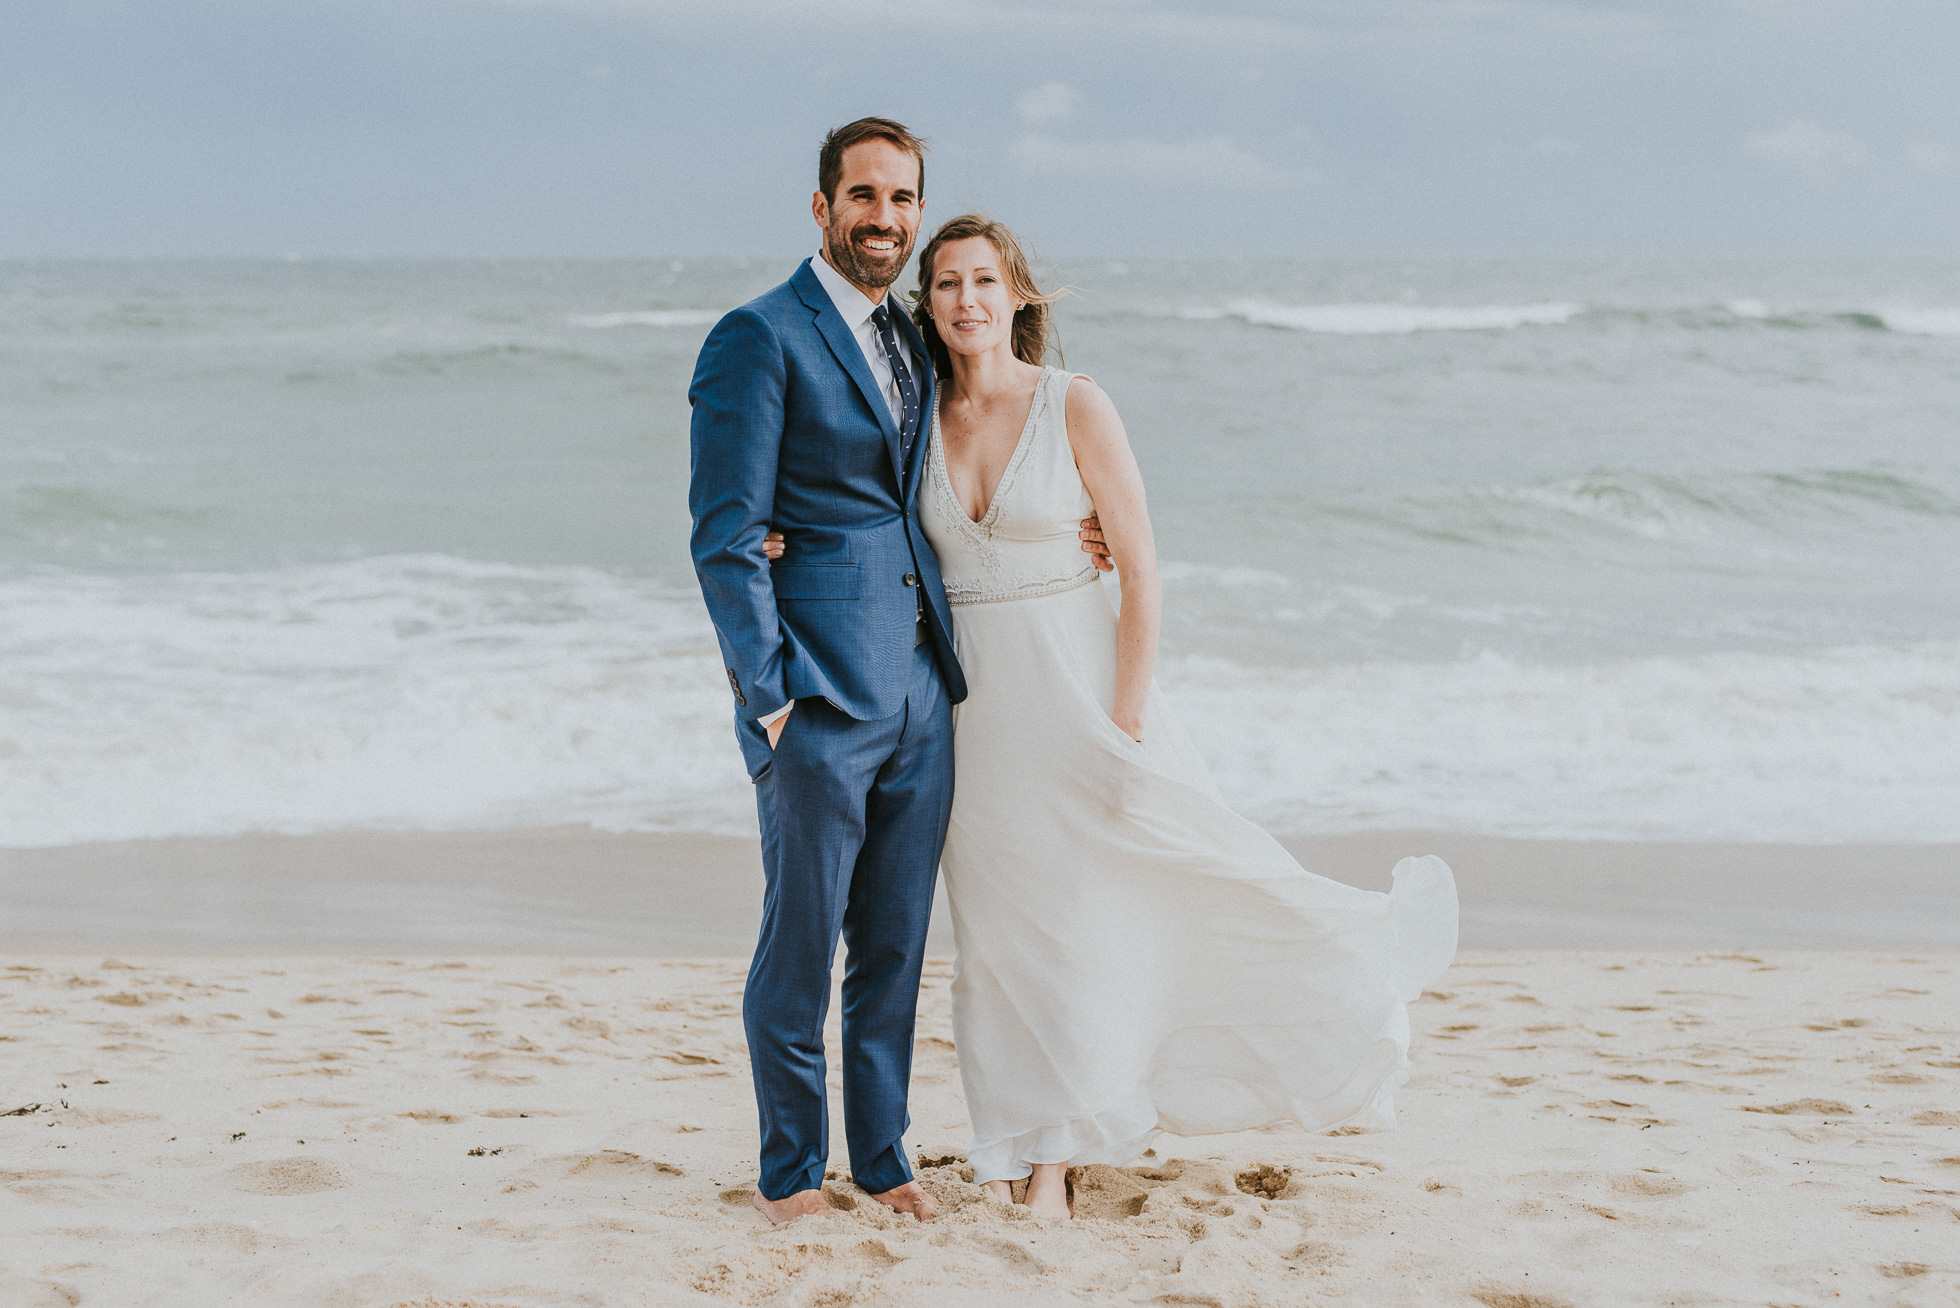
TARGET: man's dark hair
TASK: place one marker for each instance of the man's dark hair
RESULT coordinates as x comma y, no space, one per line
830,159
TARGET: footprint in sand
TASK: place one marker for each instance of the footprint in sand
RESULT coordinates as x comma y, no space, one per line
1265,1181
1819,1107
18,1293
610,1164
231,1237
1650,1185
285,1176
1110,1193
827,1266
1516,1299
108,1117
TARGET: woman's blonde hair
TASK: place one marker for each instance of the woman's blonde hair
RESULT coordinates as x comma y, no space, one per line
1033,332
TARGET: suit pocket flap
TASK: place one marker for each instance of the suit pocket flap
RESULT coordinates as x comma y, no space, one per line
815,581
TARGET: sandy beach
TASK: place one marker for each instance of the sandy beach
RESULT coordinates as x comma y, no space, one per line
506,1069
572,890
1582,1127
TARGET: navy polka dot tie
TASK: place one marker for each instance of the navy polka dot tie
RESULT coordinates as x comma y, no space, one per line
908,393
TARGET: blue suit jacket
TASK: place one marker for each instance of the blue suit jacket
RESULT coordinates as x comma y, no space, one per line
791,431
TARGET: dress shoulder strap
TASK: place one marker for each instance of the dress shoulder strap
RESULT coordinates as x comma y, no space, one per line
1053,401
1057,397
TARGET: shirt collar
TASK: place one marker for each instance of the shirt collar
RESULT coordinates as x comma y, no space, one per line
849,299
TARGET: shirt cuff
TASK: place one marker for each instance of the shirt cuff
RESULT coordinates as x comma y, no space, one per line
777,716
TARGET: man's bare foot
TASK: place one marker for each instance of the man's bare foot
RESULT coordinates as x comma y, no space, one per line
804,1203
910,1199
1048,1191
1000,1190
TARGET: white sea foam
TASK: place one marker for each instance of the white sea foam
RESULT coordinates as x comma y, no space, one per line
404,692
1179,572
435,693
1390,319
1849,745
648,318
1922,322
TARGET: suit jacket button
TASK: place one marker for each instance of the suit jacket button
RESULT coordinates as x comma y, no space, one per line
911,578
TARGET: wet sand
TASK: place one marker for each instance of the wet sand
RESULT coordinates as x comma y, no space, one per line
577,891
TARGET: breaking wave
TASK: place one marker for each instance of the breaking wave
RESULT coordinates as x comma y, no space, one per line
648,318
1390,319
429,692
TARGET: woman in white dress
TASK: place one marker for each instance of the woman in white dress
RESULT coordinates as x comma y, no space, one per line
1133,956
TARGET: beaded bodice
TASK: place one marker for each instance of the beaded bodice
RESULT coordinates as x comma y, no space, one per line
1026,544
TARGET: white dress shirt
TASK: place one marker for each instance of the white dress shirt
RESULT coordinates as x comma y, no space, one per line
856,311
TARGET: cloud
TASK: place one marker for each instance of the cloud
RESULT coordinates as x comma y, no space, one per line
1803,149
1931,157
315,126
1211,160
1250,26
1047,104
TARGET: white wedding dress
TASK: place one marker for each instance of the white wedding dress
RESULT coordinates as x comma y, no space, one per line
1133,955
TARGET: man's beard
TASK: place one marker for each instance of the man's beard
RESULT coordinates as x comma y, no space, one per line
862,268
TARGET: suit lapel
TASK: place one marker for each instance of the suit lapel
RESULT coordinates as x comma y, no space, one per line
830,325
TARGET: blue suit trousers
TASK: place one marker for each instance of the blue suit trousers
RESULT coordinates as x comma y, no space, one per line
853,817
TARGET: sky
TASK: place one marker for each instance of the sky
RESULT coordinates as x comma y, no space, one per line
1320,128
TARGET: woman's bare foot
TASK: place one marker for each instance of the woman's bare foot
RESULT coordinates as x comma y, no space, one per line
1048,1191
1000,1190
804,1203
910,1199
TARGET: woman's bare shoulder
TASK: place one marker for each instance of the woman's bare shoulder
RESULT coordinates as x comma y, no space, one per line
1095,432
1087,401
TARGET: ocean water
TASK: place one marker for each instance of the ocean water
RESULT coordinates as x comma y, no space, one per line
1555,549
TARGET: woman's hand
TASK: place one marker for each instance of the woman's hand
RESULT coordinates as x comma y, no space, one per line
1131,724
772,545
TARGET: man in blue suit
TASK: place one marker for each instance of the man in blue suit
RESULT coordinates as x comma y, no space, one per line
811,405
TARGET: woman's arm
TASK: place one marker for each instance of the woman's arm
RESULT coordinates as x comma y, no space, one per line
1109,470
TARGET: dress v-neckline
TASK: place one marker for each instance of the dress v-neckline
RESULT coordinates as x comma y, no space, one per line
985,521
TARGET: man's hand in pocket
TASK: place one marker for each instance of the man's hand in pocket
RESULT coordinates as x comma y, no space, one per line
775,729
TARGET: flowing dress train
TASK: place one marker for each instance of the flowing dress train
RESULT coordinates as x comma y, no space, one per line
1133,956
